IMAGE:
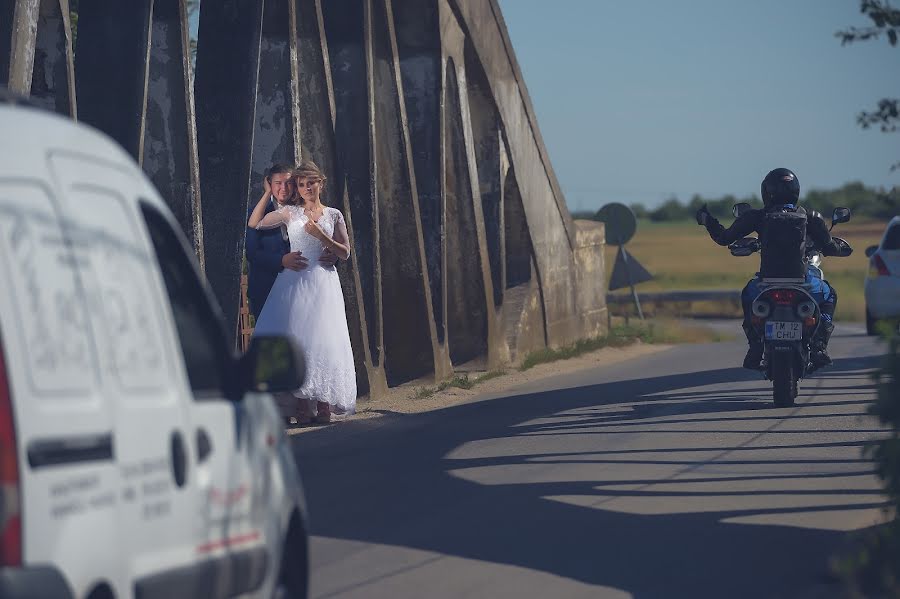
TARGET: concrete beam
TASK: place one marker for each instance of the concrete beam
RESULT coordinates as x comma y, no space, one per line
315,121
169,153
22,45
111,66
551,228
225,87
347,30
53,73
273,138
417,32
411,345
468,214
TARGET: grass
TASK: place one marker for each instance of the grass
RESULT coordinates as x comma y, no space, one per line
461,381
681,256
625,334
620,335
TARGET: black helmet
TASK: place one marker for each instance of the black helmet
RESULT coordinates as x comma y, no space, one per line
780,187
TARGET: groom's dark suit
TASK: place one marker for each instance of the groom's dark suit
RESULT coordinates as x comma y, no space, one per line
265,249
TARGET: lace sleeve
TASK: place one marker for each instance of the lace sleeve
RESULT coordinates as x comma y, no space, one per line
280,216
340,230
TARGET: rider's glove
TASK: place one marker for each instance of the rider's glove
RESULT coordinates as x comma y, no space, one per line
703,215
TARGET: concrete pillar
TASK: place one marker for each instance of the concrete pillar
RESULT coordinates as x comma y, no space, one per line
53,73
7,15
347,30
169,155
315,120
225,87
273,138
409,330
419,52
111,64
487,143
23,38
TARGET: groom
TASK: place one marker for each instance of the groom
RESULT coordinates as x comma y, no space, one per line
269,251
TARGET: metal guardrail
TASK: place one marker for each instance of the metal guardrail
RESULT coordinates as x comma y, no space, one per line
707,303
699,295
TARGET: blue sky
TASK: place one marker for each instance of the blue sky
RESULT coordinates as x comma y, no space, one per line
640,101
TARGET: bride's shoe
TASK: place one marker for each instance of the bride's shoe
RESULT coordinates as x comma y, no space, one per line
323,410
303,415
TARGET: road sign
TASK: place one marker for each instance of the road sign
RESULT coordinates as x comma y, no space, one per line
627,271
620,223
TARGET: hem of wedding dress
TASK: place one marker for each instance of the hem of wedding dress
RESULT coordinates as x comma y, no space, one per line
339,408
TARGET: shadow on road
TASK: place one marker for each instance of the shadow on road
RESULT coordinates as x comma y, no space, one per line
394,481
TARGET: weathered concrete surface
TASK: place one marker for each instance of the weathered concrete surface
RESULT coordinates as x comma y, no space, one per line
314,117
590,277
111,66
22,44
462,247
169,155
225,87
53,71
551,229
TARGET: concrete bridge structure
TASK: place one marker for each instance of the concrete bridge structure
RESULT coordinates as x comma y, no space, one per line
463,247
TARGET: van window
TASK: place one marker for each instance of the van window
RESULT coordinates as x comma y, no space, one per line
40,283
202,338
892,239
117,268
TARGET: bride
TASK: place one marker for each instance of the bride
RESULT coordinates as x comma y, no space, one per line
308,305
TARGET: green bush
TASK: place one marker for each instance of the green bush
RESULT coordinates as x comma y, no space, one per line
886,452
878,566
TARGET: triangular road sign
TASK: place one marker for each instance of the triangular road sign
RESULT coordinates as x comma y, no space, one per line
627,271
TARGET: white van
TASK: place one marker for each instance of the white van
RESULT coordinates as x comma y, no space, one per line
138,456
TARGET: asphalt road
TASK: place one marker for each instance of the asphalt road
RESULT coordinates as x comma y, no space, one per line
670,475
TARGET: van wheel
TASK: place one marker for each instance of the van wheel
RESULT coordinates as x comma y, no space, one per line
293,574
871,324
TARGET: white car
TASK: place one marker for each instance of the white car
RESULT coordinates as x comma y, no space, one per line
138,456
883,279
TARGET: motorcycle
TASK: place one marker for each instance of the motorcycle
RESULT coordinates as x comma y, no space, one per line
786,316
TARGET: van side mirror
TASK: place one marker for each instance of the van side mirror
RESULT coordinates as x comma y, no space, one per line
871,250
741,208
271,364
840,215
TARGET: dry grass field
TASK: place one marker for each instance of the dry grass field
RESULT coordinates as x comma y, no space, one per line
681,256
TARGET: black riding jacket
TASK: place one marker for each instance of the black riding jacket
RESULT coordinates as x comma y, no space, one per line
754,221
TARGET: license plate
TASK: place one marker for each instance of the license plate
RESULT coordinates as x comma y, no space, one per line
784,331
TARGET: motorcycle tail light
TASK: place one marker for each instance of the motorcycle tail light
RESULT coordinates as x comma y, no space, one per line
783,297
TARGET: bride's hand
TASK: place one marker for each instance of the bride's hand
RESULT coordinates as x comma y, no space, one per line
315,230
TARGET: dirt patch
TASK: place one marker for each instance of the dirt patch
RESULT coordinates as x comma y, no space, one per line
406,398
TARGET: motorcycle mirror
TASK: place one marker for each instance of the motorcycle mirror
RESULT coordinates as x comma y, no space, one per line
741,208
840,215
871,250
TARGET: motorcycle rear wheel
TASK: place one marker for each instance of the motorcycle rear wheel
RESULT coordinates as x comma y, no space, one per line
784,383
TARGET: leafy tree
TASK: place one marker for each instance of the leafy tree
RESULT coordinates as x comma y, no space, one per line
885,21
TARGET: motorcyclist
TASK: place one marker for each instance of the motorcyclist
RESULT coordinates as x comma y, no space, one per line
780,191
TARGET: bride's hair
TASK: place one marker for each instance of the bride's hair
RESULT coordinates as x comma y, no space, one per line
308,170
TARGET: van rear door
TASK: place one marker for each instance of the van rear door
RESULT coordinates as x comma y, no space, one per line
157,496
64,422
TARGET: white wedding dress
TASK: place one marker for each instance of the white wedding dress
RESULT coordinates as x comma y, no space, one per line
308,305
